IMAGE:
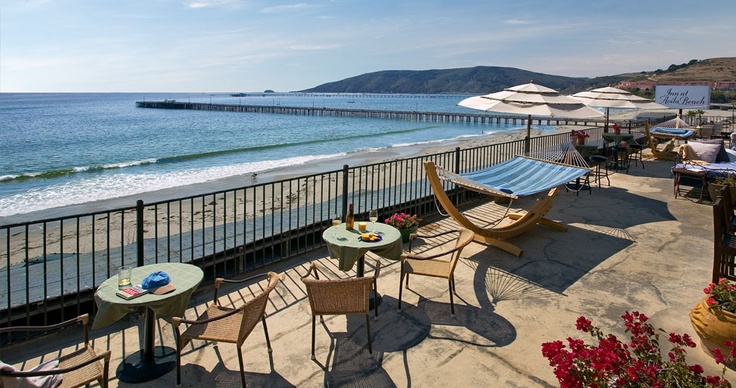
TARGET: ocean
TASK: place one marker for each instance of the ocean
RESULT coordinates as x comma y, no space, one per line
74,148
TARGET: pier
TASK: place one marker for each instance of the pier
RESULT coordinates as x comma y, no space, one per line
444,117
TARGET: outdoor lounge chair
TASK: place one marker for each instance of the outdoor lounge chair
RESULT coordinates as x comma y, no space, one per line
224,324
520,176
435,264
341,297
77,368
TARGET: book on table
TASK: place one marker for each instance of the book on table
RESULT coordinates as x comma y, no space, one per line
131,292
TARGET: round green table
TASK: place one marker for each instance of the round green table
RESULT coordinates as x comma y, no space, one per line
142,366
347,247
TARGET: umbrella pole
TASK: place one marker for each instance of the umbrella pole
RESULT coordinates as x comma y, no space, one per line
605,126
527,140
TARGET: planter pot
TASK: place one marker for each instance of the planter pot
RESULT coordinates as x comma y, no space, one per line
713,326
581,140
714,191
405,234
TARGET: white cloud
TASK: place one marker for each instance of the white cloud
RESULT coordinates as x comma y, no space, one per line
307,47
286,8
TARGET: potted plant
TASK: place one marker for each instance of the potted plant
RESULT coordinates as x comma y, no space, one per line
714,318
723,179
638,363
616,129
405,223
580,136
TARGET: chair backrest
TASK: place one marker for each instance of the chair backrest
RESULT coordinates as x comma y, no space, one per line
339,296
254,309
464,238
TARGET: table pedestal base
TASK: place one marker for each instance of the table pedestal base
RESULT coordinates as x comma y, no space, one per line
134,370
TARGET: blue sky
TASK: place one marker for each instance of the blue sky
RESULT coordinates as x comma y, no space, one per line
254,45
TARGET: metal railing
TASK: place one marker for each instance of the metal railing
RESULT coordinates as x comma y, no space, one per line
50,268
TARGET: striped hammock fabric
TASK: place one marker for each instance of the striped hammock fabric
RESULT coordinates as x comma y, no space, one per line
518,177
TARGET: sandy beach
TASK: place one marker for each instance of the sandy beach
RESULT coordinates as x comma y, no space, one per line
236,205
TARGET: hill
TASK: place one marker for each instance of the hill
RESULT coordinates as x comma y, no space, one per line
709,70
474,80
488,79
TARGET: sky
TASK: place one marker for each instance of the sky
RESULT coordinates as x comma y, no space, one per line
255,45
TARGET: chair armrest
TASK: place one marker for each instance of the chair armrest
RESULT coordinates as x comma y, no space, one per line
176,321
429,257
312,270
104,356
427,236
83,319
219,281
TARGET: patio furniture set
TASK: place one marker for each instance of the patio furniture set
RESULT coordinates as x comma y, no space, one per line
233,324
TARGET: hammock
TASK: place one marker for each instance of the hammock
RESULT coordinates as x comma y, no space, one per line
517,177
523,175
520,176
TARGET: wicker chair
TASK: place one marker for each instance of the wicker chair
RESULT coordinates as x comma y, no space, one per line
341,297
224,324
79,368
440,265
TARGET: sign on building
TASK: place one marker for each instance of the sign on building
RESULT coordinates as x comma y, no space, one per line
683,96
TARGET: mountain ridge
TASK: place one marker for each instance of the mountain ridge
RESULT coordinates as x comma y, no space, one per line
487,79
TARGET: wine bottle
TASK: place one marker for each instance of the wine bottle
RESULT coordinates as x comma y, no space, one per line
350,218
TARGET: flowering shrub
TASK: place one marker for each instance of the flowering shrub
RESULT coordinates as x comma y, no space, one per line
579,133
638,363
722,295
403,221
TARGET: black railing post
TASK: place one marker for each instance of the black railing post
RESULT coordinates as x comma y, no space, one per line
139,231
457,160
345,169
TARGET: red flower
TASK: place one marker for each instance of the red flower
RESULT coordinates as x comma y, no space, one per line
639,363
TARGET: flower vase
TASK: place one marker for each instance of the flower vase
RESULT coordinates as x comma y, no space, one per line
405,234
581,140
713,326
617,131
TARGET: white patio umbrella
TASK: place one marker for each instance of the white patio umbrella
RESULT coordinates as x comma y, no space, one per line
609,97
531,100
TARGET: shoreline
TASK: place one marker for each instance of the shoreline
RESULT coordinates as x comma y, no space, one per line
271,175
308,168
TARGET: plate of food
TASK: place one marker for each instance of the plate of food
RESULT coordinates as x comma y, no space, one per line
370,237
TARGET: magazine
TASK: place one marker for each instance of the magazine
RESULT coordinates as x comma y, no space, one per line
131,292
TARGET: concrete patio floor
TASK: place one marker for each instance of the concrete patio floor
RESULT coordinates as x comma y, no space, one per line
630,246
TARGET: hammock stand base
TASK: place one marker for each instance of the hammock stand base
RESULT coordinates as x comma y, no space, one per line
497,236
668,153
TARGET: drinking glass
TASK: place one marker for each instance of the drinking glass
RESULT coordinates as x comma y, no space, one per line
373,217
336,222
124,277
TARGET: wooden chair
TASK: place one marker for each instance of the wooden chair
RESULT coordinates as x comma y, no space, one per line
729,217
341,297
224,324
724,245
439,265
79,368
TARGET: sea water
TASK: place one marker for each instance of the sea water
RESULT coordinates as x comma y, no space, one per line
64,149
